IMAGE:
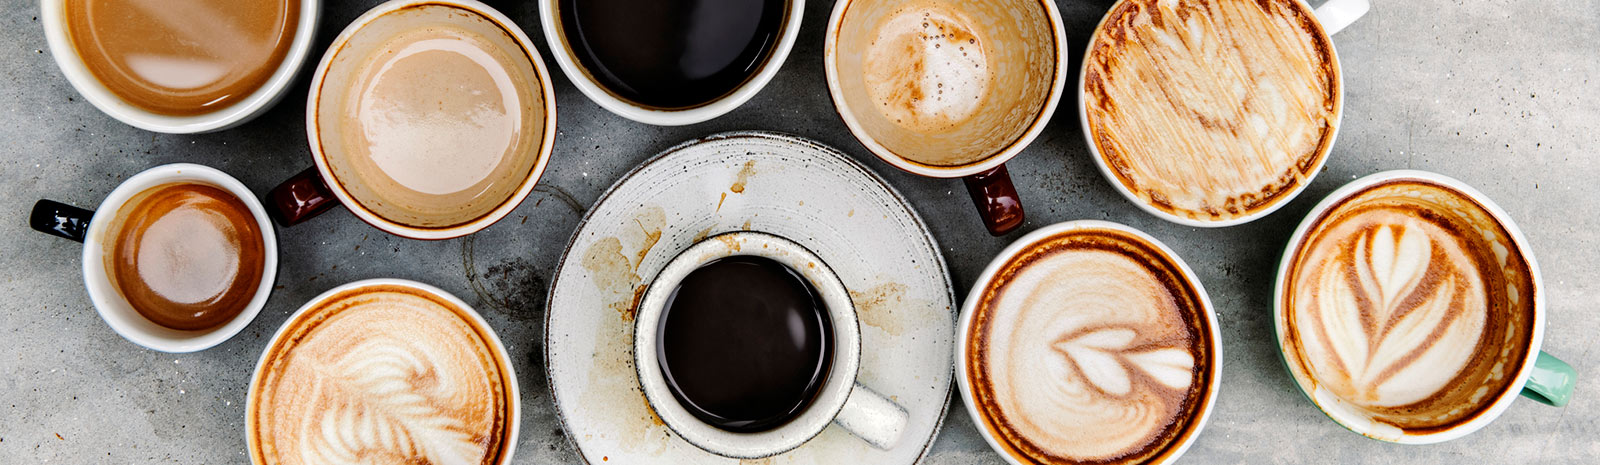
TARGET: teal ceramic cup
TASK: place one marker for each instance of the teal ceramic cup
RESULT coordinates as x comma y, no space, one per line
1409,308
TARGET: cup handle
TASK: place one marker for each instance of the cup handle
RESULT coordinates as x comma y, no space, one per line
60,220
301,197
872,417
996,199
1551,382
1335,15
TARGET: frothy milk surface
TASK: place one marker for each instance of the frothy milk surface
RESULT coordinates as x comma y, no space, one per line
186,256
927,70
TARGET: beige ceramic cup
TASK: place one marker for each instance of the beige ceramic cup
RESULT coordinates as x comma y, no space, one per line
949,89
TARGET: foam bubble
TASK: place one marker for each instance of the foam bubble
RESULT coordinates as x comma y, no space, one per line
927,70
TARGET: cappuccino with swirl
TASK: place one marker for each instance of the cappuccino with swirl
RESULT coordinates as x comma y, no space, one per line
1406,309
1091,345
382,372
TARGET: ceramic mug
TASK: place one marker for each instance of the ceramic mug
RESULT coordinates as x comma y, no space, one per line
1536,375
841,399
53,14
91,228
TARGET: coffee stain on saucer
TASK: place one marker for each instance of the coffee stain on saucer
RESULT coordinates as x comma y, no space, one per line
884,307
743,177
702,235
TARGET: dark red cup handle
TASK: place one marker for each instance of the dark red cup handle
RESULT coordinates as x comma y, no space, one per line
996,200
300,198
60,220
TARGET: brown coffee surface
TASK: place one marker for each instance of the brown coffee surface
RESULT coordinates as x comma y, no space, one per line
1211,110
1407,302
381,374
182,57
1090,347
186,256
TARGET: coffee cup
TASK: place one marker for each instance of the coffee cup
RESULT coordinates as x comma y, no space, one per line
949,89
178,258
383,371
1212,114
1409,308
1088,342
834,395
180,67
428,119
670,62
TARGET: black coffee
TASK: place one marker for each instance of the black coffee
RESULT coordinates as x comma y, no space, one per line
672,53
745,343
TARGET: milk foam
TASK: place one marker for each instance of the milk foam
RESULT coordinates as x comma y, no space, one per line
926,70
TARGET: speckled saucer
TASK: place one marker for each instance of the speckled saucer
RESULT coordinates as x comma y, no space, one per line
774,183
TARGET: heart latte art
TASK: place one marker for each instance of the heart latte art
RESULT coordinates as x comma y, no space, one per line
1089,347
382,374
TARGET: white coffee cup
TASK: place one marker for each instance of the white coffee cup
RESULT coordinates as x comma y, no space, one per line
74,223
53,14
860,410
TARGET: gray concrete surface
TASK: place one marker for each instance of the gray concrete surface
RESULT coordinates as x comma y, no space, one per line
1501,94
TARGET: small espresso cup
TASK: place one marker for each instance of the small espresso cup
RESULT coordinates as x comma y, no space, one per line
1415,254
54,16
860,410
949,89
407,150
93,228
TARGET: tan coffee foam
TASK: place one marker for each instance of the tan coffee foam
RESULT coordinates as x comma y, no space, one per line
952,93
1090,347
1211,110
1407,302
381,374
431,116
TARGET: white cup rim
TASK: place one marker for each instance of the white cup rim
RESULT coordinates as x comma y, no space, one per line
115,310
545,148
830,398
1285,199
258,102
668,117
830,54
1297,240
968,308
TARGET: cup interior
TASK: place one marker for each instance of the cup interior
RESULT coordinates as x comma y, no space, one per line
115,309
938,112
829,399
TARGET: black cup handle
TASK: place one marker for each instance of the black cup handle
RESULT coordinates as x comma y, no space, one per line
60,220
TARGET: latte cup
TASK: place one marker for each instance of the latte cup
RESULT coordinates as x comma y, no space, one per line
1451,308
53,15
93,229
428,119
841,400
949,89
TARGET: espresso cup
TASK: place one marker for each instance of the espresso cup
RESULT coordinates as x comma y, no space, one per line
1212,114
428,119
1088,342
841,399
172,73
97,230
949,89
703,37
383,371
1409,309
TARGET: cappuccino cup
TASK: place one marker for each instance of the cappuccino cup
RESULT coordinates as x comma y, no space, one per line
1213,113
1409,309
1088,342
428,119
178,258
949,89
833,395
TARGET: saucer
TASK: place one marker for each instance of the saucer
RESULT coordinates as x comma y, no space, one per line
755,181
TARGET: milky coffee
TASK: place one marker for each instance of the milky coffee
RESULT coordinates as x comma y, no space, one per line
381,373
1090,346
1410,304
1211,110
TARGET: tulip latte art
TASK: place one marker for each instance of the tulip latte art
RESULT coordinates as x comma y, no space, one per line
381,374
1090,347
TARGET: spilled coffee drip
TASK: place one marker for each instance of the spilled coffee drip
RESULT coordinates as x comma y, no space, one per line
745,343
186,256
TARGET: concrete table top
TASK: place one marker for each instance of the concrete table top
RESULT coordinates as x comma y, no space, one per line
1500,94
